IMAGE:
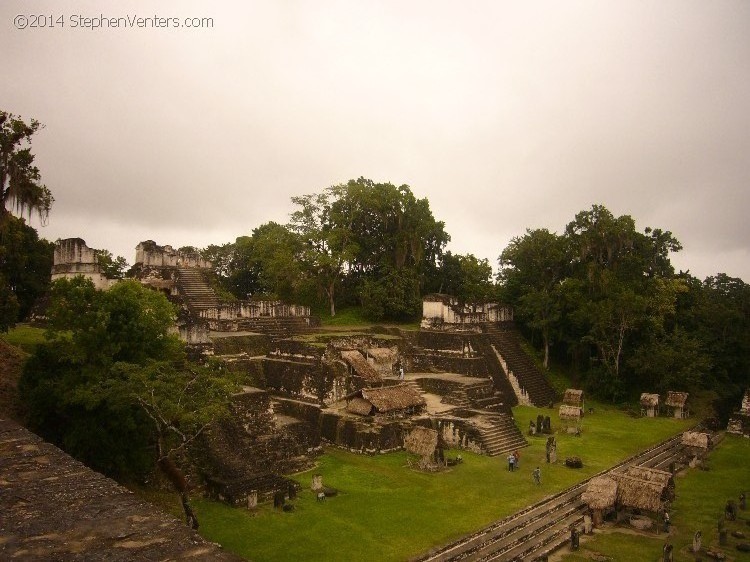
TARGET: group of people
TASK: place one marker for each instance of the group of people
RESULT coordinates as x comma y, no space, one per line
513,464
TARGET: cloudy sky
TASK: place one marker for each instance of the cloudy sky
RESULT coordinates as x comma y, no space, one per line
506,115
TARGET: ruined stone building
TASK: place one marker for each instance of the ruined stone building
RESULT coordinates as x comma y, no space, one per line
73,257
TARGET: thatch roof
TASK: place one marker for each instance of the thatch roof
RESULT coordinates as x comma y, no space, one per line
573,397
601,492
360,365
638,493
421,441
696,439
676,399
570,412
389,398
382,354
649,400
649,474
359,406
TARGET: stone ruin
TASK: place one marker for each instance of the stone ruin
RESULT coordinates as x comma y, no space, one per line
739,422
72,257
445,312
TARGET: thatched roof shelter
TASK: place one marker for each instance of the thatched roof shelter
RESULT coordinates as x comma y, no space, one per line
676,399
638,493
601,492
696,439
573,397
387,399
649,400
359,406
570,412
360,365
421,441
649,474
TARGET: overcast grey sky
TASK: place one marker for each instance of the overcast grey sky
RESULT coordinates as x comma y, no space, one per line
505,115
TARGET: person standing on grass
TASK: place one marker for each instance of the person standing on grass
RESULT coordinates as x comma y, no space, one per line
516,458
511,462
537,474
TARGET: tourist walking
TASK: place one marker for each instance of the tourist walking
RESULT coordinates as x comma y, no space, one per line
516,459
537,474
666,521
511,462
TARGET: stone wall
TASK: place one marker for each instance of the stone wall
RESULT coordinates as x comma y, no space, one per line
458,433
255,309
446,311
148,253
251,449
363,436
315,381
72,257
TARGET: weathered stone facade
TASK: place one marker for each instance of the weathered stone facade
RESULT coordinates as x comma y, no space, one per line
73,257
149,254
447,312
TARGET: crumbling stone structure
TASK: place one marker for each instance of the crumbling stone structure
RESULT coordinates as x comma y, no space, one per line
739,422
73,257
448,313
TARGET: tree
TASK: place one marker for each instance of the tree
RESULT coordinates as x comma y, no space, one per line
25,264
532,269
113,376
112,268
327,245
20,179
181,401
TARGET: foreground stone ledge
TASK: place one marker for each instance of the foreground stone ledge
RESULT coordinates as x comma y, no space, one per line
53,507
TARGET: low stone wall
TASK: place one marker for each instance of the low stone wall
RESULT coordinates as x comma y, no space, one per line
426,362
363,436
458,433
252,344
452,341
323,383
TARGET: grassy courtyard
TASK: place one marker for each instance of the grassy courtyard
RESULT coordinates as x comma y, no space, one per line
386,511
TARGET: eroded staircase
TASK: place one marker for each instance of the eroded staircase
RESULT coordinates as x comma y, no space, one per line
195,290
505,341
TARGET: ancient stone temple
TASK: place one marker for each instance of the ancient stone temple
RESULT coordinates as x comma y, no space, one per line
73,257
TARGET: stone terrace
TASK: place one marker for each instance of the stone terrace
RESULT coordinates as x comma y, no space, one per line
52,507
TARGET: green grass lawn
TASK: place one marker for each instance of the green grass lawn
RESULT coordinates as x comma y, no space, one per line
385,511
700,499
24,336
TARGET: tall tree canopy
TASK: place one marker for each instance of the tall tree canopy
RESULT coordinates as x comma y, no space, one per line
20,180
605,291
375,239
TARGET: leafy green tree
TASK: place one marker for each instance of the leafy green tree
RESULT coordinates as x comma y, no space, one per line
327,245
113,379
25,264
20,179
532,269
112,268
8,306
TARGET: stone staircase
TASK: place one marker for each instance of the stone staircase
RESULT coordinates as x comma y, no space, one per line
502,437
505,341
196,291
